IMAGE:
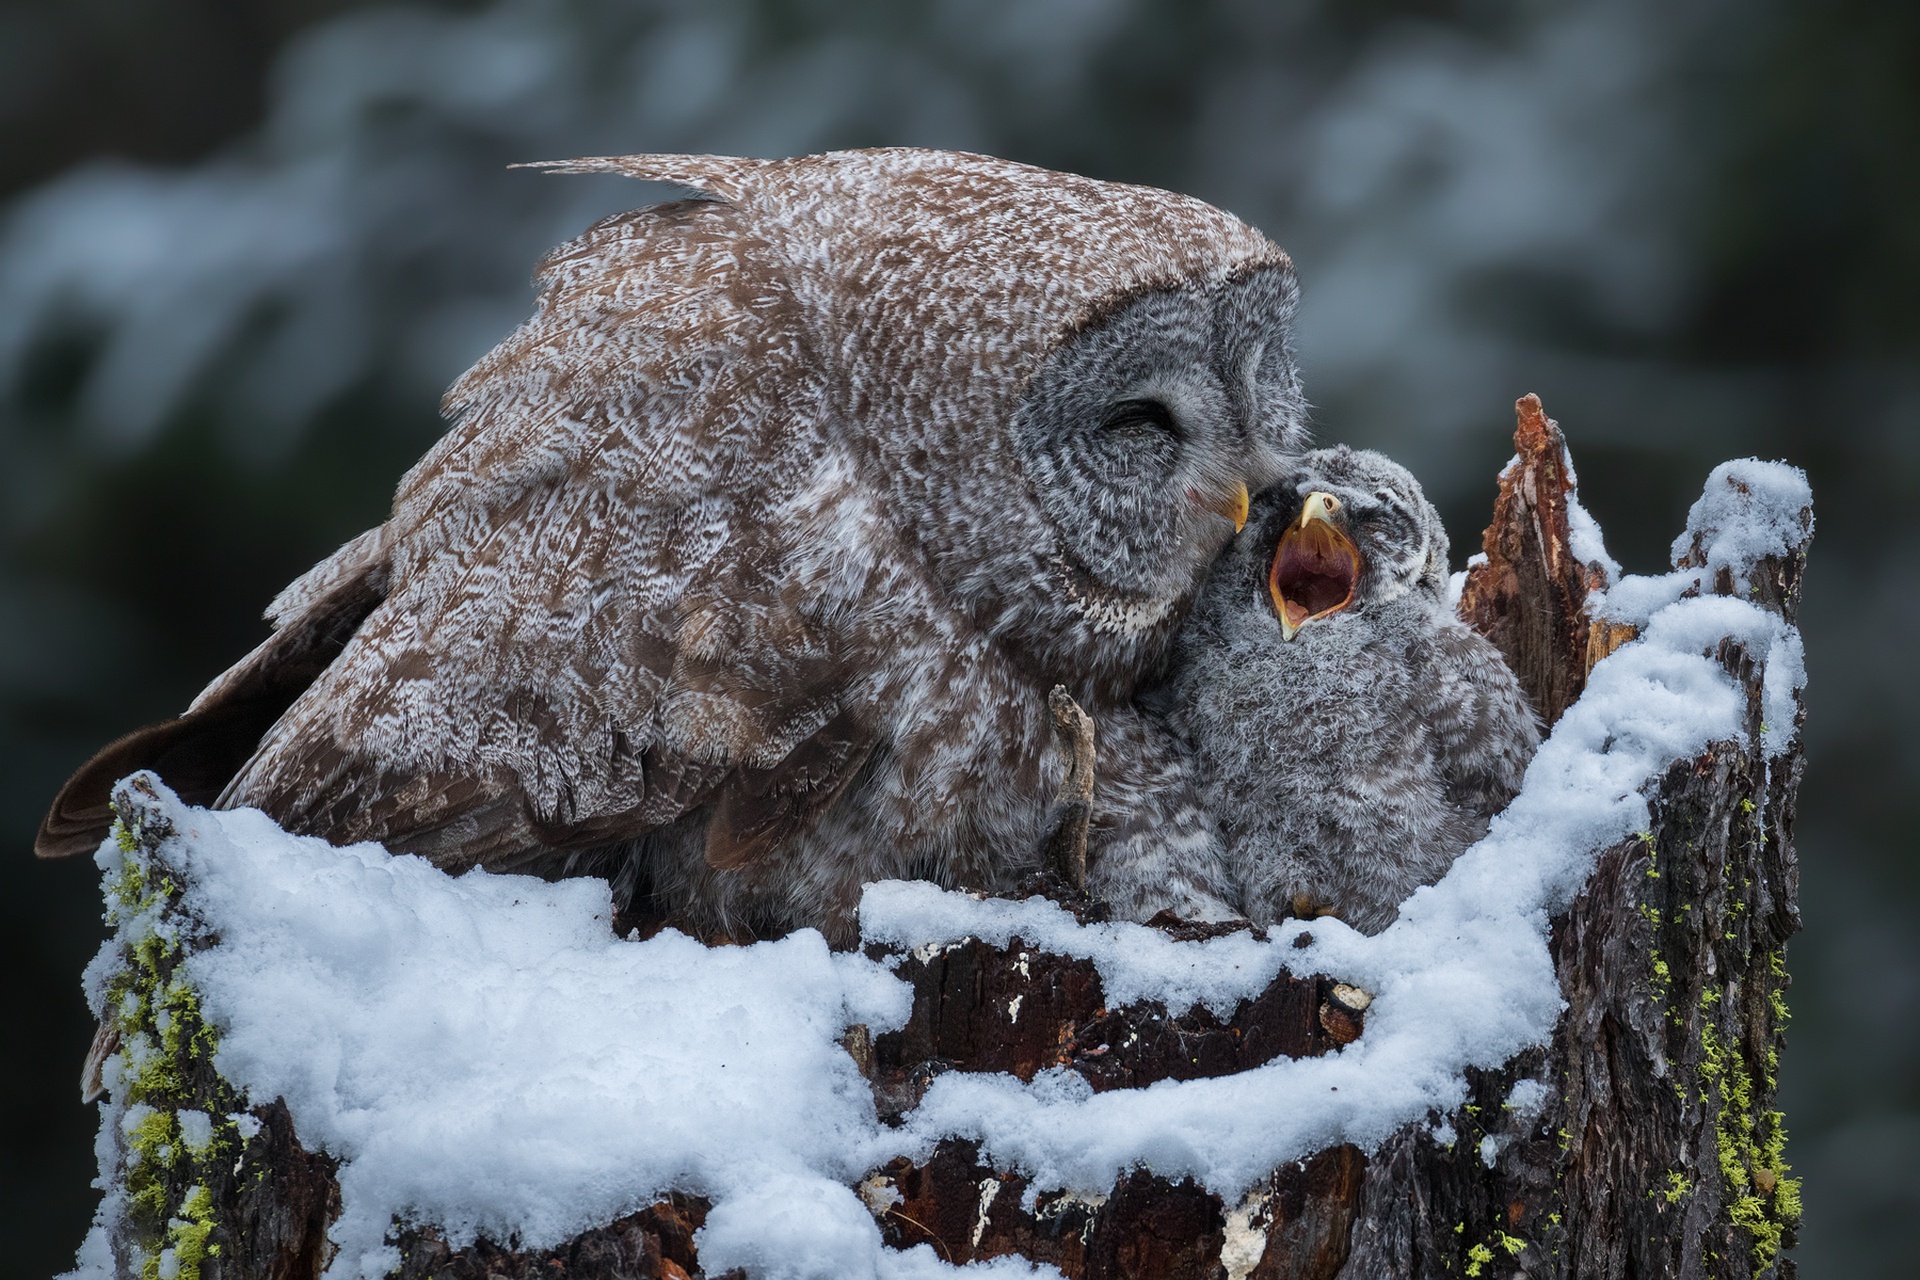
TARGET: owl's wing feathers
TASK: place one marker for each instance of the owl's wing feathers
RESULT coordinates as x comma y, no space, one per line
1479,720
588,630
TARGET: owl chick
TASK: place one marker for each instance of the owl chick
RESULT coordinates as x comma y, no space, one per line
1352,735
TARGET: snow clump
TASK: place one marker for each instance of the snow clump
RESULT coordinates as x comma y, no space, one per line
482,1053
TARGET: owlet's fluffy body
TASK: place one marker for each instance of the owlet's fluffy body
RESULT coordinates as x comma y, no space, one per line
1350,733
747,562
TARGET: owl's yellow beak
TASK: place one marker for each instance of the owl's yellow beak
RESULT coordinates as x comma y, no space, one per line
1232,504
1316,567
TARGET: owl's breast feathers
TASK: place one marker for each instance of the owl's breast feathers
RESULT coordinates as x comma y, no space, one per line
696,534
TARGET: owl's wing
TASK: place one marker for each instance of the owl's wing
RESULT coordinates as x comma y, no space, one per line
1479,721
590,621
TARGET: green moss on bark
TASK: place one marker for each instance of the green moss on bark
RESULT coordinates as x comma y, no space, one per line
162,1072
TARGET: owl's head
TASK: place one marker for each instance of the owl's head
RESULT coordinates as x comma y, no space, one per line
1144,433
1350,530
1060,391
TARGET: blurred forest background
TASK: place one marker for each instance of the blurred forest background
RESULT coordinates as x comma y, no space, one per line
244,244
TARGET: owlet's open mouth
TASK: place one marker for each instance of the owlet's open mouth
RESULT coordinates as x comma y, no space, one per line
1315,568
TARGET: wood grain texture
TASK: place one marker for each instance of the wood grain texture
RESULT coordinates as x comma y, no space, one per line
1529,594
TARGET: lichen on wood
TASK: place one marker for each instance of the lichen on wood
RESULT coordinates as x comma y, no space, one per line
200,1187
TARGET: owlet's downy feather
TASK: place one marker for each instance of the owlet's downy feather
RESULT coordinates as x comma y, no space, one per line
1352,735
746,565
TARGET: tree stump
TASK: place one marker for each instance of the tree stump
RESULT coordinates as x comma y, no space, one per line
1656,1152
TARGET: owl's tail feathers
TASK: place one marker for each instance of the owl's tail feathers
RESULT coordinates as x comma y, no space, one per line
195,754
729,178
198,753
760,810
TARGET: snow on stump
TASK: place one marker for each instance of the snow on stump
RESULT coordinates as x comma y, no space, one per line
1559,1061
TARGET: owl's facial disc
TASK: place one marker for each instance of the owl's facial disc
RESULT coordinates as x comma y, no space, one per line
1316,567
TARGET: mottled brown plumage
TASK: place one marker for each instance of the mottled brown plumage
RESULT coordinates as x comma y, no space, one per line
749,558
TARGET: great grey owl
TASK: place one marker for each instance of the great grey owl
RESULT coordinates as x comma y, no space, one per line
748,561
1351,734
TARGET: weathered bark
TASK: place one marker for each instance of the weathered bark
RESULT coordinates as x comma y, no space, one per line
654,1244
1660,1153
1017,1010
1528,594
1656,1151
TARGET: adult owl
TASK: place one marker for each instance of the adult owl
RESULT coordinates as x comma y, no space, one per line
1352,735
746,565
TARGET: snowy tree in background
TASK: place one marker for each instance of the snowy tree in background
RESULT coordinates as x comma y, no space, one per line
371,232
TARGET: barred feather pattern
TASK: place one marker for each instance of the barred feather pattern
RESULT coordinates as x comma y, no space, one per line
747,561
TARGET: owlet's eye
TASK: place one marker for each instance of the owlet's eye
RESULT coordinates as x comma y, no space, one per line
1139,417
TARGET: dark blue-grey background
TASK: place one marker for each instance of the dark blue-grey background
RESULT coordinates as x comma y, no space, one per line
244,246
